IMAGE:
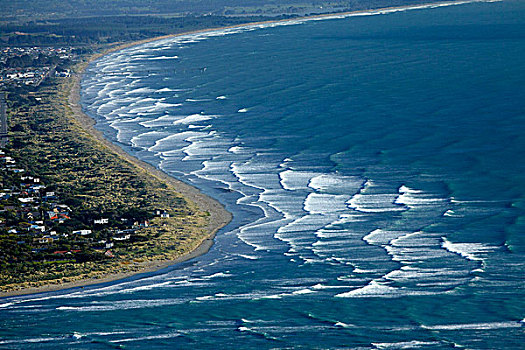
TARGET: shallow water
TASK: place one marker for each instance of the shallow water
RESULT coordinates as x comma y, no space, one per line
374,168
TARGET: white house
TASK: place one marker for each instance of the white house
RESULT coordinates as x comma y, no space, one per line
82,232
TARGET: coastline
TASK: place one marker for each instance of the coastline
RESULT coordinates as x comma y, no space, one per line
143,268
219,217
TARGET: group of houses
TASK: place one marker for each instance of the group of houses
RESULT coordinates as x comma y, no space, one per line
30,66
27,207
25,76
35,214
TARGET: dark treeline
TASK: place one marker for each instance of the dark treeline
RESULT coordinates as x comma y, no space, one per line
27,10
93,22
100,30
76,8
24,61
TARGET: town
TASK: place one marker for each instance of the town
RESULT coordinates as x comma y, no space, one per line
31,65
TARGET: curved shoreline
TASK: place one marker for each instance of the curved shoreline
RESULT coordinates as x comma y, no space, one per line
219,216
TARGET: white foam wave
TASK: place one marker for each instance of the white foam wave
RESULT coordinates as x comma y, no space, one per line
475,326
67,308
237,150
121,304
140,91
334,183
470,251
316,203
197,100
375,203
451,213
383,237
303,291
376,289
218,275
327,233
249,257
373,289
414,344
31,340
166,89
295,180
151,337
322,286
342,325
306,223
412,197
170,142
162,58
193,119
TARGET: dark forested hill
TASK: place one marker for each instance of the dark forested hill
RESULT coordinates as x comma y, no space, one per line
87,22
28,10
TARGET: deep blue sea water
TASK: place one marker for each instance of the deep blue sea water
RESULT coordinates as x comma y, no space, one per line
375,167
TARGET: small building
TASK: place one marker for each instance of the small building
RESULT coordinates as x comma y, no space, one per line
122,238
101,221
162,213
82,232
45,240
38,228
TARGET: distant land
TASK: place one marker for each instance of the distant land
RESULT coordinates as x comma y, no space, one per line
94,22
26,10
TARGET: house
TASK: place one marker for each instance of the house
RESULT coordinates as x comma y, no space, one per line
122,238
61,252
38,228
60,217
101,221
162,213
82,232
37,187
61,207
45,240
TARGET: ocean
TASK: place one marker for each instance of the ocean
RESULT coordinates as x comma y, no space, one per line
374,165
